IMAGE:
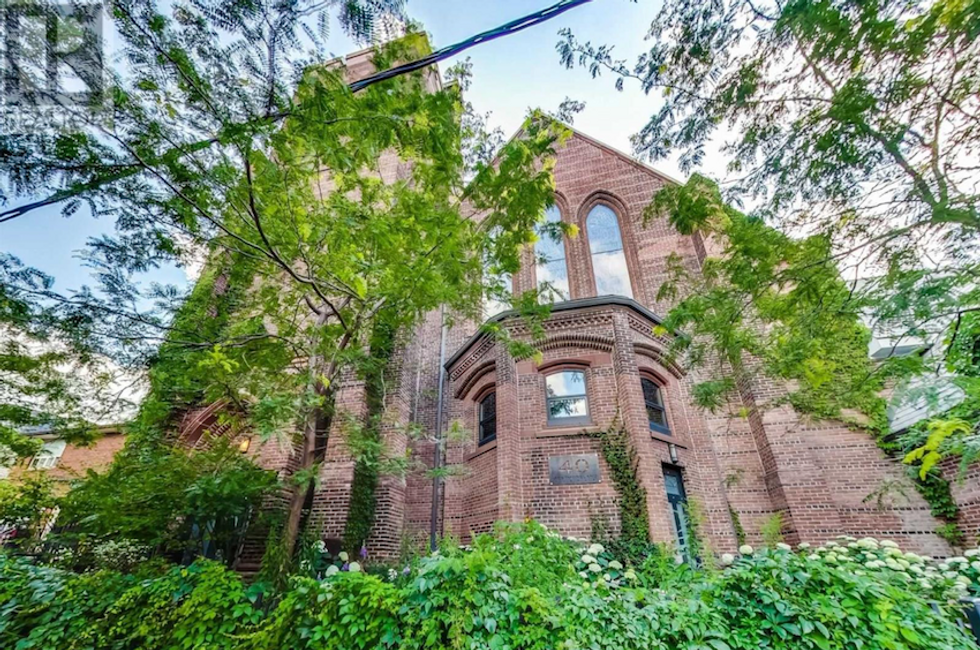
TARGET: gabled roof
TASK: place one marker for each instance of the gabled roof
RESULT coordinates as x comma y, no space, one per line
625,157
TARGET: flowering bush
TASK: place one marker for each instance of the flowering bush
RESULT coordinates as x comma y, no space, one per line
522,588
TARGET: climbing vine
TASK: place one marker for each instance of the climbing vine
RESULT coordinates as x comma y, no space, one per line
621,459
368,444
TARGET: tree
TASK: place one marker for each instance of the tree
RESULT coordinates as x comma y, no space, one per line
159,499
274,168
854,125
157,133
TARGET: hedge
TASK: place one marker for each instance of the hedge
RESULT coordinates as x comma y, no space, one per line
522,588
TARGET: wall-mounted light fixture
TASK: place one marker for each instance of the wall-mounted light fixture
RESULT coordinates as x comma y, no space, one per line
244,444
672,449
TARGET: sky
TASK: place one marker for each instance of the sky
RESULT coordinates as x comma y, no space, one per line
511,74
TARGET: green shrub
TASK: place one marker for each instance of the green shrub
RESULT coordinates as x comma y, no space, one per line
520,588
151,497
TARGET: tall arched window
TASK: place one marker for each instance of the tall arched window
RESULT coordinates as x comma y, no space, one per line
498,299
551,268
612,276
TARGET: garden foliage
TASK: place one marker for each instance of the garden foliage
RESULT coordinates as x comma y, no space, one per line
522,588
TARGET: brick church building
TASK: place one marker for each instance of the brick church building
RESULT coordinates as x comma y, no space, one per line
529,452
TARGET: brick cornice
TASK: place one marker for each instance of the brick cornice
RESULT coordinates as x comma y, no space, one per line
587,315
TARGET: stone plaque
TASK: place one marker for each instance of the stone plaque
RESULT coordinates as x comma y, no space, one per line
573,470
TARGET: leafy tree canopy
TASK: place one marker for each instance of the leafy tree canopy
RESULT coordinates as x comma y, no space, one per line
229,135
854,126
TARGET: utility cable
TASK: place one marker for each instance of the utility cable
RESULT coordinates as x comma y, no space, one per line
506,29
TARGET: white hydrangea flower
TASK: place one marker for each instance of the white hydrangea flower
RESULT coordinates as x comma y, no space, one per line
943,566
858,572
596,549
595,568
924,583
343,556
960,586
804,545
887,543
583,574
830,557
745,549
951,575
973,552
517,547
893,551
964,580
615,565
332,569
975,566
958,560
727,558
587,559
630,574
353,567
607,577
784,547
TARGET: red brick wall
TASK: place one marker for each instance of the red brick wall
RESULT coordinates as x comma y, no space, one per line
816,475
747,458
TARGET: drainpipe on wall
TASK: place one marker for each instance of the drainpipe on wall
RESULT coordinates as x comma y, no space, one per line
437,460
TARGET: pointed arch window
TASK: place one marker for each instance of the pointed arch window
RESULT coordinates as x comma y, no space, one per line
612,276
551,269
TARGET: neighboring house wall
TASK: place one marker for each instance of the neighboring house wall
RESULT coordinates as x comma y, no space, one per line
64,461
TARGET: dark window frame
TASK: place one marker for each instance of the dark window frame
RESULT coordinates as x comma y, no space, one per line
568,420
659,406
482,419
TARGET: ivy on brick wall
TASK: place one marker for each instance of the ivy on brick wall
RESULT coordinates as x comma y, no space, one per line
621,459
368,444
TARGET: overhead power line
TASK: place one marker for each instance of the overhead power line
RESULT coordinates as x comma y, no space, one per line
506,29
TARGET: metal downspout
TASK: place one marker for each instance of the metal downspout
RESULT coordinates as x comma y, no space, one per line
437,460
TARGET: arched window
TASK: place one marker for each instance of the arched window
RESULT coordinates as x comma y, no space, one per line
566,397
612,276
488,418
653,399
551,269
498,299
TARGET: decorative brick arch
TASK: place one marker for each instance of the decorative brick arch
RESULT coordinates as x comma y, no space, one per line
602,197
474,377
660,357
572,339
